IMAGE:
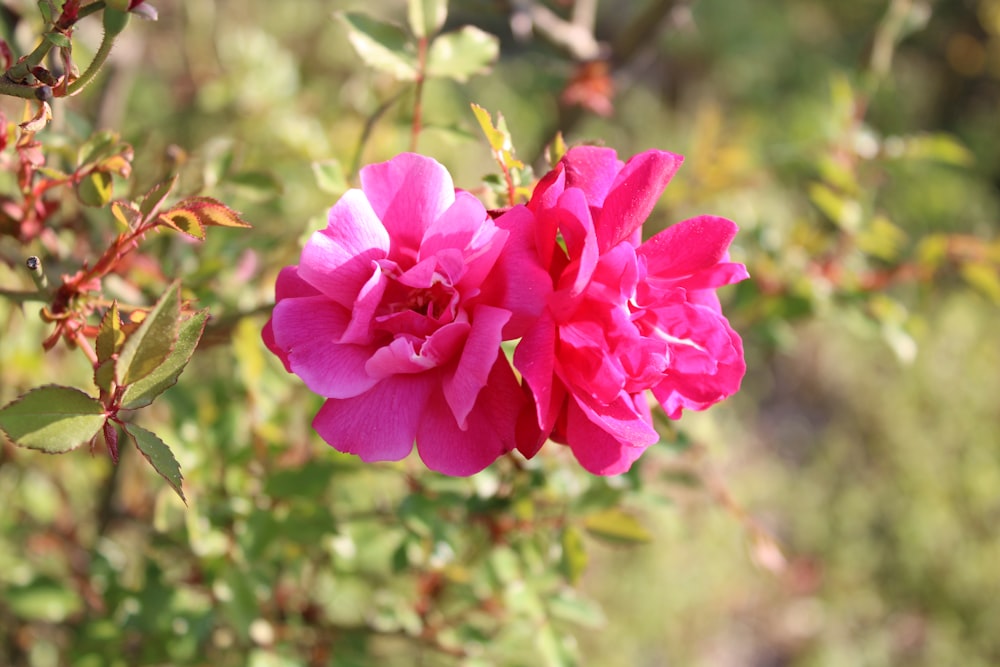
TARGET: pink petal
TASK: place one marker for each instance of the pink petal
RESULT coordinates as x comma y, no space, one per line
462,386
577,229
456,227
451,450
519,283
633,195
289,285
307,330
534,358
408,354
620,418
593,170
594,448
688,247
379,425
338,260
408,193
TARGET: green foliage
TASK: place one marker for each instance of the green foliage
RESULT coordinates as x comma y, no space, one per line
856,471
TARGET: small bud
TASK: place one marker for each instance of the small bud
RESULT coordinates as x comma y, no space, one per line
33,263
44,93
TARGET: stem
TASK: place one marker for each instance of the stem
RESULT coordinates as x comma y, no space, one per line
418,95
100,57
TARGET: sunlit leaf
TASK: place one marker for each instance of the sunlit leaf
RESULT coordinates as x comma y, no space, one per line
95,189
330,176
427,16
143,391
381,45
153,199
207,211
52,418
110,336
159,456
152,342
125,213
463,53
615,525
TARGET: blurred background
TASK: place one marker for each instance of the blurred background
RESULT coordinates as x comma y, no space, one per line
841,510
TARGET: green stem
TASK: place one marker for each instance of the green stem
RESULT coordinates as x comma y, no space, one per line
95,65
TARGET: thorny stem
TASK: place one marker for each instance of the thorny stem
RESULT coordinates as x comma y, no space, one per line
103,51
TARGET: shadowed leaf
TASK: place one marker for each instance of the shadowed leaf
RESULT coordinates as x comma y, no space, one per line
158,455
142,392
152,342
52,418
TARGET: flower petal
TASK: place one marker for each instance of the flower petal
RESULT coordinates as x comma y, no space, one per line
338,260
379,425
306,331
592,169
688,247
463,384
594,448
407,193
633,195
449,449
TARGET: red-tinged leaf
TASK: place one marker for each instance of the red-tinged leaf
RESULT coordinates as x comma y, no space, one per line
153,199
183,221
120,164
159,456
210,212
111,438
126,213
52,419
39,120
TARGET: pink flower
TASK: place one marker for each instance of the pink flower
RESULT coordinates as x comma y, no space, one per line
396,312
623,318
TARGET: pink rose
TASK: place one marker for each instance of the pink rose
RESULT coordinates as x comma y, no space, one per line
623,317
396,313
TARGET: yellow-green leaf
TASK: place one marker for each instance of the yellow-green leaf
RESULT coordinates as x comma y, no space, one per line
52,419
152,342
427,16
142,392
617,526
95,189
110,336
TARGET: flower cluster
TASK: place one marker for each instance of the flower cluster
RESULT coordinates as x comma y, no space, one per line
398,308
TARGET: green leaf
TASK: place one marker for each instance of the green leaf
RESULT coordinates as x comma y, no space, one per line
381,45
158,455
95,189
153,199
152,342
460,54
330,176
574,554
427,16
183,221
52,418
568,605
110,336
44,599
58,39
142,392
614,525
45,7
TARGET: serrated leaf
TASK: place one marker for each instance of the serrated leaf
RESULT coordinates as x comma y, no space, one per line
615,525
494,136
109,336
207,211
95,189
381,45
330,176
159,456
461,54
183,221
142,392
125,213
427,16
45,7
152,342
153,199
52,419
